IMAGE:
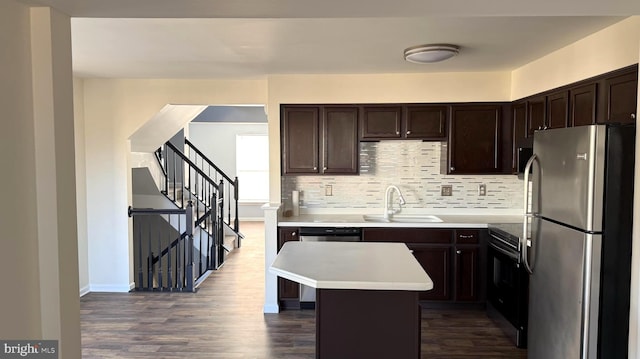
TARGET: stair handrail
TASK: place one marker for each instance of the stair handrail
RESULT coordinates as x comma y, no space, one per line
209,162
187,236
175,242
233,182
201,189
188,161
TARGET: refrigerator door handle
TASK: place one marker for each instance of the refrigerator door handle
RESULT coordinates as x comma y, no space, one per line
527,214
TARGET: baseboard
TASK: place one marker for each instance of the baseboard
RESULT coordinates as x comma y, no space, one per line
271,308
84,290
251,219
114,288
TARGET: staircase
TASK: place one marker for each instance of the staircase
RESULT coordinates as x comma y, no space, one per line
176,248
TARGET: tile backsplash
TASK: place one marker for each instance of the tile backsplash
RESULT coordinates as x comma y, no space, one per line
413,166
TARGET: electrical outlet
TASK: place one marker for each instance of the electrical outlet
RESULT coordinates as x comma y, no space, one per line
446,190
482,189
328,190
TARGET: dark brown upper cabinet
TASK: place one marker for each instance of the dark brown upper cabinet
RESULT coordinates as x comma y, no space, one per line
557,110
622,96
340,140
300,139
381,122
582,100
319,139
422,122
519,136
426,122
537,113
474,139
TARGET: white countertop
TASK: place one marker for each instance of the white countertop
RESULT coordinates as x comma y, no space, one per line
357,220
351,265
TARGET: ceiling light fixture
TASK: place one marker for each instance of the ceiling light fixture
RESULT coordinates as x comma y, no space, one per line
426,54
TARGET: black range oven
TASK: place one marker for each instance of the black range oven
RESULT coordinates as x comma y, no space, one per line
507,282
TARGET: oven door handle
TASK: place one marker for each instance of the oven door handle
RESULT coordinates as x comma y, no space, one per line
513,256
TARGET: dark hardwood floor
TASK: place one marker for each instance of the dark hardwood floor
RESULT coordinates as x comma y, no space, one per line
224,319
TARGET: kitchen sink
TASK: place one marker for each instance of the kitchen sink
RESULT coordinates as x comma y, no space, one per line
413,218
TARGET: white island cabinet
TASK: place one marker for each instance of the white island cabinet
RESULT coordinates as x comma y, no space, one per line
366,296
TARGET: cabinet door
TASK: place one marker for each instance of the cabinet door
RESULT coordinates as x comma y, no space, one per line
557,110
426,122
436,261
340,140
467,276
381,122
474,139
583,105
287,290
300,147
536,115
519,117
622,94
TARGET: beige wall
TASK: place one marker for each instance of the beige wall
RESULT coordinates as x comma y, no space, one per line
609,49
39,255
114,110
441,87
20,310
55,178
81,186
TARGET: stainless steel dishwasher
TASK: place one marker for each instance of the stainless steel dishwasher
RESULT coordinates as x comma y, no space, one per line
324,234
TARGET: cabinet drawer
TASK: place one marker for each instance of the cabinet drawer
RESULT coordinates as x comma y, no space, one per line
467,236
407,235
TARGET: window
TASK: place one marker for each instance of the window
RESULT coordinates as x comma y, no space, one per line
252,167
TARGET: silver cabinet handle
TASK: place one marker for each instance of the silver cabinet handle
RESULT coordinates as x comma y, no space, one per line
466,236
397,132
458,252
527,214
452,168
545,128
293,233
408,132
315,168
633,116
324,168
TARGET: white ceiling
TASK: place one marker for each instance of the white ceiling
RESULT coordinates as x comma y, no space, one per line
231,38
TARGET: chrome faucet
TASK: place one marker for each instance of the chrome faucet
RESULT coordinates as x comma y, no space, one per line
388,205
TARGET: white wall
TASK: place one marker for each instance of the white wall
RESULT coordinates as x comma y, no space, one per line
114,110
218,141
39,230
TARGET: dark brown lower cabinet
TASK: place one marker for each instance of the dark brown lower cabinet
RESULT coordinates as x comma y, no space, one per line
467,273
451,257
367,324
436,261
288,291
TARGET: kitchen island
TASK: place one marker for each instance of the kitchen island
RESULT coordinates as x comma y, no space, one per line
367,296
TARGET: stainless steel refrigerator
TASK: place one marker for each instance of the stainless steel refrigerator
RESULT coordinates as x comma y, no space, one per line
580,211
